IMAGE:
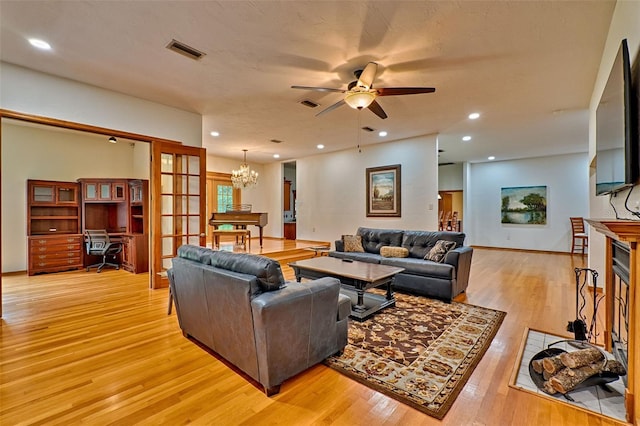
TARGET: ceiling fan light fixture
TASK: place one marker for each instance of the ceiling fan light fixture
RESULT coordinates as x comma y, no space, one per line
359,100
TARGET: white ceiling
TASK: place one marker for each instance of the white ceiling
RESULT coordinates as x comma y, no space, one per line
528,67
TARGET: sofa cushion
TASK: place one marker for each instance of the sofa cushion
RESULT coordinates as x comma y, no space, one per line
267,271
374,239
353,243
419,243
420,267
196,253
390,251
440,250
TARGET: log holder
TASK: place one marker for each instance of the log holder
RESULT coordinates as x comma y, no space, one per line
601,379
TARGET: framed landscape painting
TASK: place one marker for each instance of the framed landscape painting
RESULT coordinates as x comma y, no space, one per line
524,205
383,191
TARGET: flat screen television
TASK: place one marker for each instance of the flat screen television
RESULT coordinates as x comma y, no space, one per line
617,160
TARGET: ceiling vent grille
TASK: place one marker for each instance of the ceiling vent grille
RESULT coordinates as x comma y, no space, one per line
275,141
185,50
445,164
309,104
368,129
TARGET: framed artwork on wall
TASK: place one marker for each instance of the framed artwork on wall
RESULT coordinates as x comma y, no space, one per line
383,191
524,205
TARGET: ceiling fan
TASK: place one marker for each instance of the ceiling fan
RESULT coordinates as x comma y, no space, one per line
361,94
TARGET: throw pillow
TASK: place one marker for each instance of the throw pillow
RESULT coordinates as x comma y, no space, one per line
391,251
440,250
353,243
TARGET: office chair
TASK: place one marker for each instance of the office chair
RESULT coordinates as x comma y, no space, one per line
99,244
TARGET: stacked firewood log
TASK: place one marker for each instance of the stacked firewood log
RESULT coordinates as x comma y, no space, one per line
563,372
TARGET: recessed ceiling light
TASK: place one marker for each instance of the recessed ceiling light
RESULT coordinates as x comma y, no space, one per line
215,134
40,44
382,134
276,155
320,146
474,115
491,157
466,138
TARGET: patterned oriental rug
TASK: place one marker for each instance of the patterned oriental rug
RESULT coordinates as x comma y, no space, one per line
420,352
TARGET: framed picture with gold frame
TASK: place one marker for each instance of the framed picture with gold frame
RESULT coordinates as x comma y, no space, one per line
383,191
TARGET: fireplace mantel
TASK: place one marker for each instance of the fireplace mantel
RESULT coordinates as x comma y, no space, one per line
621,230
626,231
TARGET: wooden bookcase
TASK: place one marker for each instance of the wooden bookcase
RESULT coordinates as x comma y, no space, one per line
60,212
53,226
135,249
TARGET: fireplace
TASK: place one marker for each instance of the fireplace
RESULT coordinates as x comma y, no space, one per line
620,313
622,325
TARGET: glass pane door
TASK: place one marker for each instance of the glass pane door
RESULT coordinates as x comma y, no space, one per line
179,204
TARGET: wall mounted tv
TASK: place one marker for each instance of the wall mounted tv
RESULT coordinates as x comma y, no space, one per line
617,160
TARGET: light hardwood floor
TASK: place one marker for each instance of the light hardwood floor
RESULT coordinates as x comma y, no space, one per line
97,349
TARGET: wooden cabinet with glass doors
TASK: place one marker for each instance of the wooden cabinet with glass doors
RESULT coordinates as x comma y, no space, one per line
53,226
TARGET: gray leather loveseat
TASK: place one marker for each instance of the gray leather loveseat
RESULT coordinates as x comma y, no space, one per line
239,306
424,277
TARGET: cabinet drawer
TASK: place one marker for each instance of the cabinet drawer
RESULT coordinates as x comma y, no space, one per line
67,247
58,239
57,255
37,263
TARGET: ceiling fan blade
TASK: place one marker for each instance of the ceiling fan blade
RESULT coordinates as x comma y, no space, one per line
368,74
377,109
319,89
331,107
393,91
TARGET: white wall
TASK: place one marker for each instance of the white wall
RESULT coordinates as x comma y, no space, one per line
331,192
565,177
35,153
624,24
36,93
450,177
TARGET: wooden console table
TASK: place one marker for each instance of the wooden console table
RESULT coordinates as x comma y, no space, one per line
627,232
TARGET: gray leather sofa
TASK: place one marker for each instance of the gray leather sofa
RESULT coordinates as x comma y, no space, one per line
240,306
438,280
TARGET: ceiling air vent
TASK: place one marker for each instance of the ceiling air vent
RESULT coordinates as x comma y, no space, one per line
445,164
368,129
309,104
276,141
185,50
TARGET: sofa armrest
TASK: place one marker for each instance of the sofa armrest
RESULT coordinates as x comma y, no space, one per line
460,259
295,327
339,245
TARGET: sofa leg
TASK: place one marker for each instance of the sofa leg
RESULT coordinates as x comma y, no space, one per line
272,390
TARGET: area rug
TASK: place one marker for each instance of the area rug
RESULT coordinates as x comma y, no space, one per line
420,352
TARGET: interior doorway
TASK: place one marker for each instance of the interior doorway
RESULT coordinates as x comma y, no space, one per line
289,194
450,210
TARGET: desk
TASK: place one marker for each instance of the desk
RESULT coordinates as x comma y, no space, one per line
134,256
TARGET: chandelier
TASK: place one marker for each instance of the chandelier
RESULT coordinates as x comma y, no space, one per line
245,177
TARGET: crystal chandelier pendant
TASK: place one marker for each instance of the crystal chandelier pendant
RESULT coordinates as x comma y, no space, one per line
244,177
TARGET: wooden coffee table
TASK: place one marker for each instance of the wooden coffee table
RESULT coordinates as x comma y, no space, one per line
356,277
